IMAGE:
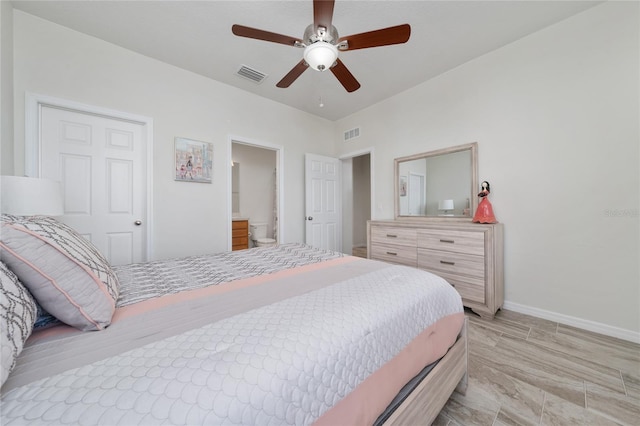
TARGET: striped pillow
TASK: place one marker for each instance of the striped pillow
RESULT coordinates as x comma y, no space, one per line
66,274
18,312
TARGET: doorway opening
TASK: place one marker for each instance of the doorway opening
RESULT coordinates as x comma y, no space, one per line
255,179
357,201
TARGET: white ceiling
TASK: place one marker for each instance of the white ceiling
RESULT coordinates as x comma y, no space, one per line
196,35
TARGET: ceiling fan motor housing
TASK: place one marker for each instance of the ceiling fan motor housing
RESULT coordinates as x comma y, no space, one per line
320,51
322,34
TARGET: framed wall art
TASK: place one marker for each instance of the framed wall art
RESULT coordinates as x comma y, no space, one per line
194,161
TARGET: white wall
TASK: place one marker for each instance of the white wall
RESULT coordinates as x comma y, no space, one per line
53,60
556,118
6,88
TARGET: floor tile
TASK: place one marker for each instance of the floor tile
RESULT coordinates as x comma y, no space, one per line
587,335
631,384
470,411
606,350
528,320
559,412
503,326
507,418
529,371
623,408
520,403
484,335
526,362
578,359
441,420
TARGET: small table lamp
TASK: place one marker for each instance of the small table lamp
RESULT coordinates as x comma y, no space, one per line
28,196
446,205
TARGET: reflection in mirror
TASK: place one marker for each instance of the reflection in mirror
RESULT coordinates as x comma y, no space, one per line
437,184
235,189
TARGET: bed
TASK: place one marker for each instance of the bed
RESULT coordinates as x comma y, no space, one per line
274,335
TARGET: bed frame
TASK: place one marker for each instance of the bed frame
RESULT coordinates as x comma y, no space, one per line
423,405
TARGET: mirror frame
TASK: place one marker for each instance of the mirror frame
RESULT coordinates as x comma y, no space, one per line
473,190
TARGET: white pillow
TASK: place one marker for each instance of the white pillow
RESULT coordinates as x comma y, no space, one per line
66,274
18,313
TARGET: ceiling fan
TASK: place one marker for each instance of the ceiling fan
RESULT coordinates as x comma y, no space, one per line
321,44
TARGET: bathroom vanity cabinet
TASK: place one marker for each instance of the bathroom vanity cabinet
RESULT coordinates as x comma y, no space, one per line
239,234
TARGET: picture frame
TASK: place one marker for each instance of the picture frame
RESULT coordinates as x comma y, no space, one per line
403,186
193,160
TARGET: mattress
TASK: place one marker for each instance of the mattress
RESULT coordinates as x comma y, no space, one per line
307,338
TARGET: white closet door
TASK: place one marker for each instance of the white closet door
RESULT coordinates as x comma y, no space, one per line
101,163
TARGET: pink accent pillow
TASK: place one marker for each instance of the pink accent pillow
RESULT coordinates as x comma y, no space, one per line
66,274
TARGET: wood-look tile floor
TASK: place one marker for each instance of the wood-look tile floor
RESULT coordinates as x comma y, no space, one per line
525,370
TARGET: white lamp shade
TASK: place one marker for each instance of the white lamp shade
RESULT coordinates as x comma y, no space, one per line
320,55
27,196
445,205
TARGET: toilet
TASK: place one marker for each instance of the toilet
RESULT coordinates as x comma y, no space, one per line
259,235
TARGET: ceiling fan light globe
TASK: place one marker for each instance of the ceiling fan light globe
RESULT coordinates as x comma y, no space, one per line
320,55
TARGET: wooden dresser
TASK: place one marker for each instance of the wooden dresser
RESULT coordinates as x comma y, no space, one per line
239,234
468,255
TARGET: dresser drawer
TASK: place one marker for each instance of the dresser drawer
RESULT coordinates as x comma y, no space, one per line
395,254
453,263
470,288
468,242
383,235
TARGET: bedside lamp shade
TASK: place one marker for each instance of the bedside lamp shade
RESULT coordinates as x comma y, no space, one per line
445,205
28,196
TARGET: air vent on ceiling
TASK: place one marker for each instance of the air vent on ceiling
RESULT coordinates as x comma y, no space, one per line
251,74
350,134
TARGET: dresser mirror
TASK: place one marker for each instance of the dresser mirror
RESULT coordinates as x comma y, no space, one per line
437,185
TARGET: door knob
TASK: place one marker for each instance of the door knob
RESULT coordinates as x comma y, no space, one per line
309,217
138,222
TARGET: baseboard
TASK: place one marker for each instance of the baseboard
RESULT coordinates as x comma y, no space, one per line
596,327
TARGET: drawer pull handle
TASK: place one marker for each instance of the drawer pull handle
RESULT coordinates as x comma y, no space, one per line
447,241
392,253
446,262
392,236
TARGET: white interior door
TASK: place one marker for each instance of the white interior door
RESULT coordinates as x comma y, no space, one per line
101,163
323,202
416,193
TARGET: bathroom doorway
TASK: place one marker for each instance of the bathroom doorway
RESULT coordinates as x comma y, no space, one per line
356,201
254,187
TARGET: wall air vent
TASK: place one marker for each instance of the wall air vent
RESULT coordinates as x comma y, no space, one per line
251,74
350,134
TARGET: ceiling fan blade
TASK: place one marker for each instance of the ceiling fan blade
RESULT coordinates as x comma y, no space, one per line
345,77
292,75
322,13
383,37
242,31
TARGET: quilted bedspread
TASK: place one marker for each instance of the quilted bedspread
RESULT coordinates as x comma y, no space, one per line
286,347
